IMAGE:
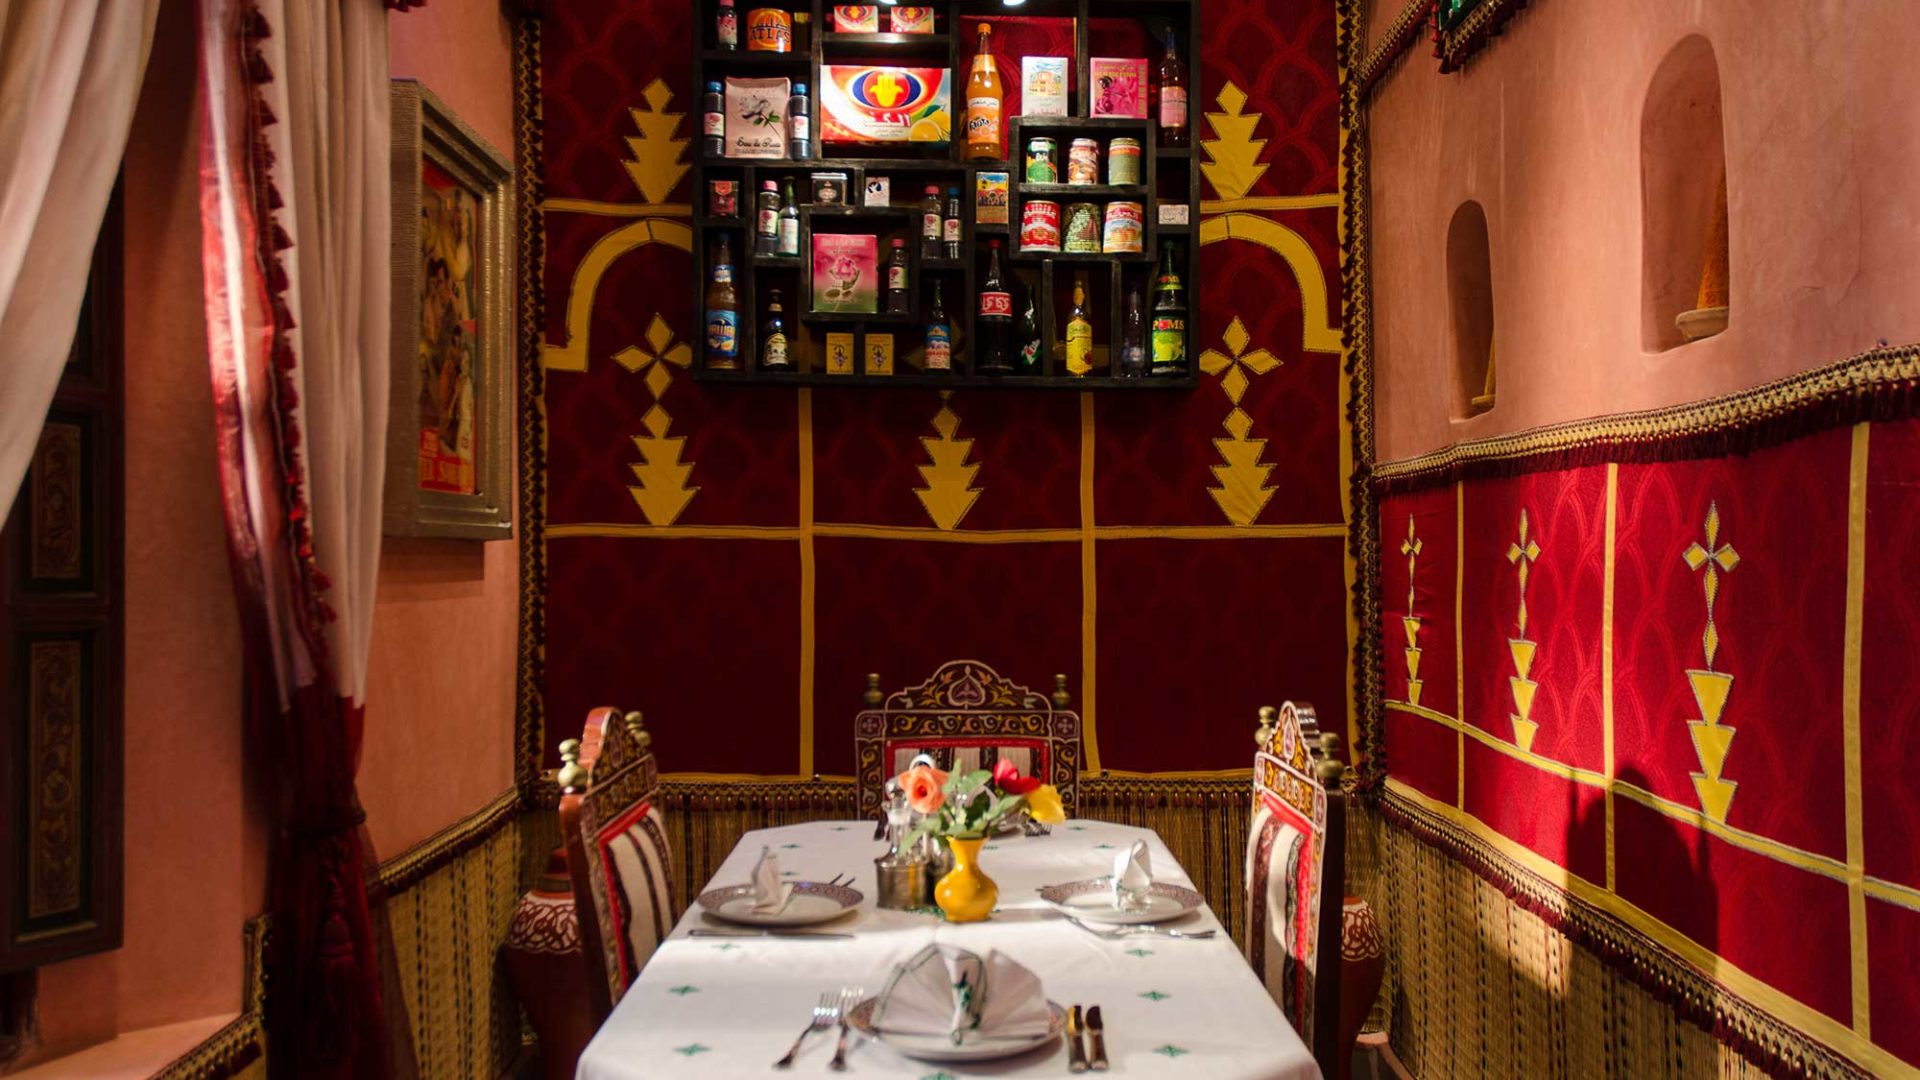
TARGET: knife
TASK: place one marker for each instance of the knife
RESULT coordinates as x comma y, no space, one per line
1076,1055
805,935
1097,1039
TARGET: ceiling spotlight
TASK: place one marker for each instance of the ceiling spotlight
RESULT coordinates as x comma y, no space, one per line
1012,3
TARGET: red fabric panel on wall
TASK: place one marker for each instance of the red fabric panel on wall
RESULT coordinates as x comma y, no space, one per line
1889,693
1180,682
702,636
1423,754
1434,571
1554,817
1565,538
904,608
1893,936
1780,617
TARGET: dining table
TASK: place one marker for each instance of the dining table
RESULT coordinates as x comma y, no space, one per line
713,1007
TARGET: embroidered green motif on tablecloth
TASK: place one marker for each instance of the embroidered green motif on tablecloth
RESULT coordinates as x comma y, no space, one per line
1142,953
1171,1050
1155,995
683,991
724,946
1103,847
790,847
691,1049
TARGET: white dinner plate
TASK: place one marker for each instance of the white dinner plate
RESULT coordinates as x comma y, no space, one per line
1092,900
972,1046
811,902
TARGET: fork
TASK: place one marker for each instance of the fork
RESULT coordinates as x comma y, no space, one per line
1135,931
849,997
824,1015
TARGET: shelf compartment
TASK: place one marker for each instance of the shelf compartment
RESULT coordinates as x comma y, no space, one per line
878,319
1032,190
747,58
887,44
1082,256
780,262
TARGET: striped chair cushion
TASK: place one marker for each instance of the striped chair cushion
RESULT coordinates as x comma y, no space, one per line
965,755
633,851
1283,901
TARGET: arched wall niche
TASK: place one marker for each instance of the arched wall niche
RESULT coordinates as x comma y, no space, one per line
1470,304
1683,193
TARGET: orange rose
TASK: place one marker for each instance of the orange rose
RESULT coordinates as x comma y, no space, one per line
925,788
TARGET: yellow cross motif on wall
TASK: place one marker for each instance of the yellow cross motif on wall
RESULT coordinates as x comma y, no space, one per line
1523,553
1411,549
1711,738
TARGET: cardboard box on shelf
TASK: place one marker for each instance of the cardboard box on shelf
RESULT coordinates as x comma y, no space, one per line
862,103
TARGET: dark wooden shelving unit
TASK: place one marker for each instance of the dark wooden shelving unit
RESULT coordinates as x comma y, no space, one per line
1169,175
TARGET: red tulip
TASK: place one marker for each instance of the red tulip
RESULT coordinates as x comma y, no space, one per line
1007,777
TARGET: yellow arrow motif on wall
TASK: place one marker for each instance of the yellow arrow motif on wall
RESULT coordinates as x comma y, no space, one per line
1411,622
1711,738
1523,553
663,491
949,493
1243,490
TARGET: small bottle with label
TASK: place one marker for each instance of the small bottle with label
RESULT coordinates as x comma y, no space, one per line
713,121
1079,331
799,124
930,223
950,225
899,295
789,223
1028,341
726,27
766,220
773,336
939,334
722,312
1133,340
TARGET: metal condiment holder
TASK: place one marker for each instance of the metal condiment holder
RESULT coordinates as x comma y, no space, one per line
903,882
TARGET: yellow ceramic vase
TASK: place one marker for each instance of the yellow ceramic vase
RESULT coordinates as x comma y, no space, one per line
966,894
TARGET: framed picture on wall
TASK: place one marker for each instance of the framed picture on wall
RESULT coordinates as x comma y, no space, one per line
449,444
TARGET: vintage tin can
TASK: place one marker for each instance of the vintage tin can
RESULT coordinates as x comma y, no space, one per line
1041,164
1082,230
1123,161
1122,231
1040,225
723,198
1083,162
829,189
769,30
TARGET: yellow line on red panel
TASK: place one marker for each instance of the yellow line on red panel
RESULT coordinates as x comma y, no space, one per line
1850,728
1089,591
626,530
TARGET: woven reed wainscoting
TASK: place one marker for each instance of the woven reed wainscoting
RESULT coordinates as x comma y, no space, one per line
237,1051
1203,821
1484,987
450,899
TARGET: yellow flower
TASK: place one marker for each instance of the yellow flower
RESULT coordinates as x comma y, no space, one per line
1043,803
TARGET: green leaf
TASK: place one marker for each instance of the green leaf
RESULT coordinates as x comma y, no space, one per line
959,782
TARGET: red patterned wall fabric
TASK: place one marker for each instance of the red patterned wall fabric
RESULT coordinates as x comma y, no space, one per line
733,560
1710,715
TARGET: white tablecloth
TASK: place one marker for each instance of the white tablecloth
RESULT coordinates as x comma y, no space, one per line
706,1007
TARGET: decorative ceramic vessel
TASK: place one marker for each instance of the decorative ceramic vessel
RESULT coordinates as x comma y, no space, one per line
966,894
548,973
1363,964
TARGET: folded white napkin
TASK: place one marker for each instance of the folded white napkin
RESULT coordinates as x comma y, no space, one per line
943,990
1132,875
769,892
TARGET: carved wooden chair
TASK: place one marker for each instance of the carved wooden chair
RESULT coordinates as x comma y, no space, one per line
617,851
967,716
1295,874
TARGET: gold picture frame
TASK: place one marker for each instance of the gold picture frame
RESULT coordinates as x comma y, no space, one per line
449,438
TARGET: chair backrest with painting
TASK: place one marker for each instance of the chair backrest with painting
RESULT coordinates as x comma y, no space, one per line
616,850
966,716
1295,873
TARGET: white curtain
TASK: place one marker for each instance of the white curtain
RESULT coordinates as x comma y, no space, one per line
70,74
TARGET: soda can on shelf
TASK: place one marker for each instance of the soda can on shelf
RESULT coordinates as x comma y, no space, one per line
1040,225
1123,161
1123,226
1041,165
1082,230
1083,162
723,198
769,30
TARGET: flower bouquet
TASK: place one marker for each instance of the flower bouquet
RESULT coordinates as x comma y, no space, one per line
964,809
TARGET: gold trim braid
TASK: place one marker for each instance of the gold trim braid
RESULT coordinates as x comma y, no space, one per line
529,722
408,868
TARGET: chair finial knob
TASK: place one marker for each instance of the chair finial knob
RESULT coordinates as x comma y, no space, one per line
572,778
873,697
1061,699
1329,769
1263,735
637,727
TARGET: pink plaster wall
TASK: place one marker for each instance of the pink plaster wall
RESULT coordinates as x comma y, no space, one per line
1543,129
440,685
441,680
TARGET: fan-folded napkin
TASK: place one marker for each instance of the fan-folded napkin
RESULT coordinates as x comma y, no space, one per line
1132,875
943,990
770,894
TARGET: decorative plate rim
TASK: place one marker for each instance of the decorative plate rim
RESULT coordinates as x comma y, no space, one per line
860,1018
1188,899
848,898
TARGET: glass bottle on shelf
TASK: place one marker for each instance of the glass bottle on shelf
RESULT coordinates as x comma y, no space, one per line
899,296
1029,338
1079,331
799,124
789,223
1173,96
713,121
930,223
1133,341
726,27
950,225
996,317
722,312
939,334
773,336
766,220
986,139
1169,356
